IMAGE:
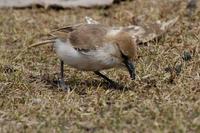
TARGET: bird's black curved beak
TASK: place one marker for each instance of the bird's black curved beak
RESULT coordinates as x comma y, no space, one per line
131,68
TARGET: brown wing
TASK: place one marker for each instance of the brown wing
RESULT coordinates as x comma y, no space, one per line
88,36
83,37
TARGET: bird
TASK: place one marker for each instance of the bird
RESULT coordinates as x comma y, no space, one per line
93,47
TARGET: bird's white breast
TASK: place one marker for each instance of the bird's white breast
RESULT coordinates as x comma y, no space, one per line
93,60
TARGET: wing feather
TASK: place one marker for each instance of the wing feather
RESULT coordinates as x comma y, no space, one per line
83,36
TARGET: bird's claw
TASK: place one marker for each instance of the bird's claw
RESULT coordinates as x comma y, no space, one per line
62,85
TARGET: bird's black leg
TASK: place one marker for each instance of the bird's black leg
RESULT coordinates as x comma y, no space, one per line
61,81
106,78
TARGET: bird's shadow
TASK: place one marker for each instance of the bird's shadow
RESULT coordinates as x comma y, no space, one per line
103,84
53,84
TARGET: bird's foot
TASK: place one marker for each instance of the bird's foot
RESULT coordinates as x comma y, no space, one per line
62,85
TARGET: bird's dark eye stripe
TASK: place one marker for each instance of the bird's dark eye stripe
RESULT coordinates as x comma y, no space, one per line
124,56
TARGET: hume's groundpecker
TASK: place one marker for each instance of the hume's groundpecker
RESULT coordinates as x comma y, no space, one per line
93,47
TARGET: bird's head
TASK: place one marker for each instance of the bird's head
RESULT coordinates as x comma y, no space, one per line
127,51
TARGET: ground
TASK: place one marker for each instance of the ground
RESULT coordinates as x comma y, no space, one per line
165,97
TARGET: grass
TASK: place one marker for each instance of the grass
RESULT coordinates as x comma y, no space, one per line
164,98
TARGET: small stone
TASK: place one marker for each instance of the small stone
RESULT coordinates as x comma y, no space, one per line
178,69
187,56
168,69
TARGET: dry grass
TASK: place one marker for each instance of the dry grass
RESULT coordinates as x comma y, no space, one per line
158,101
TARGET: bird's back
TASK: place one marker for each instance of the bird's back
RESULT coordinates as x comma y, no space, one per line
89,36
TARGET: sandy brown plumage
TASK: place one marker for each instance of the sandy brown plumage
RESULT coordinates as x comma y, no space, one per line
93,36
83,36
